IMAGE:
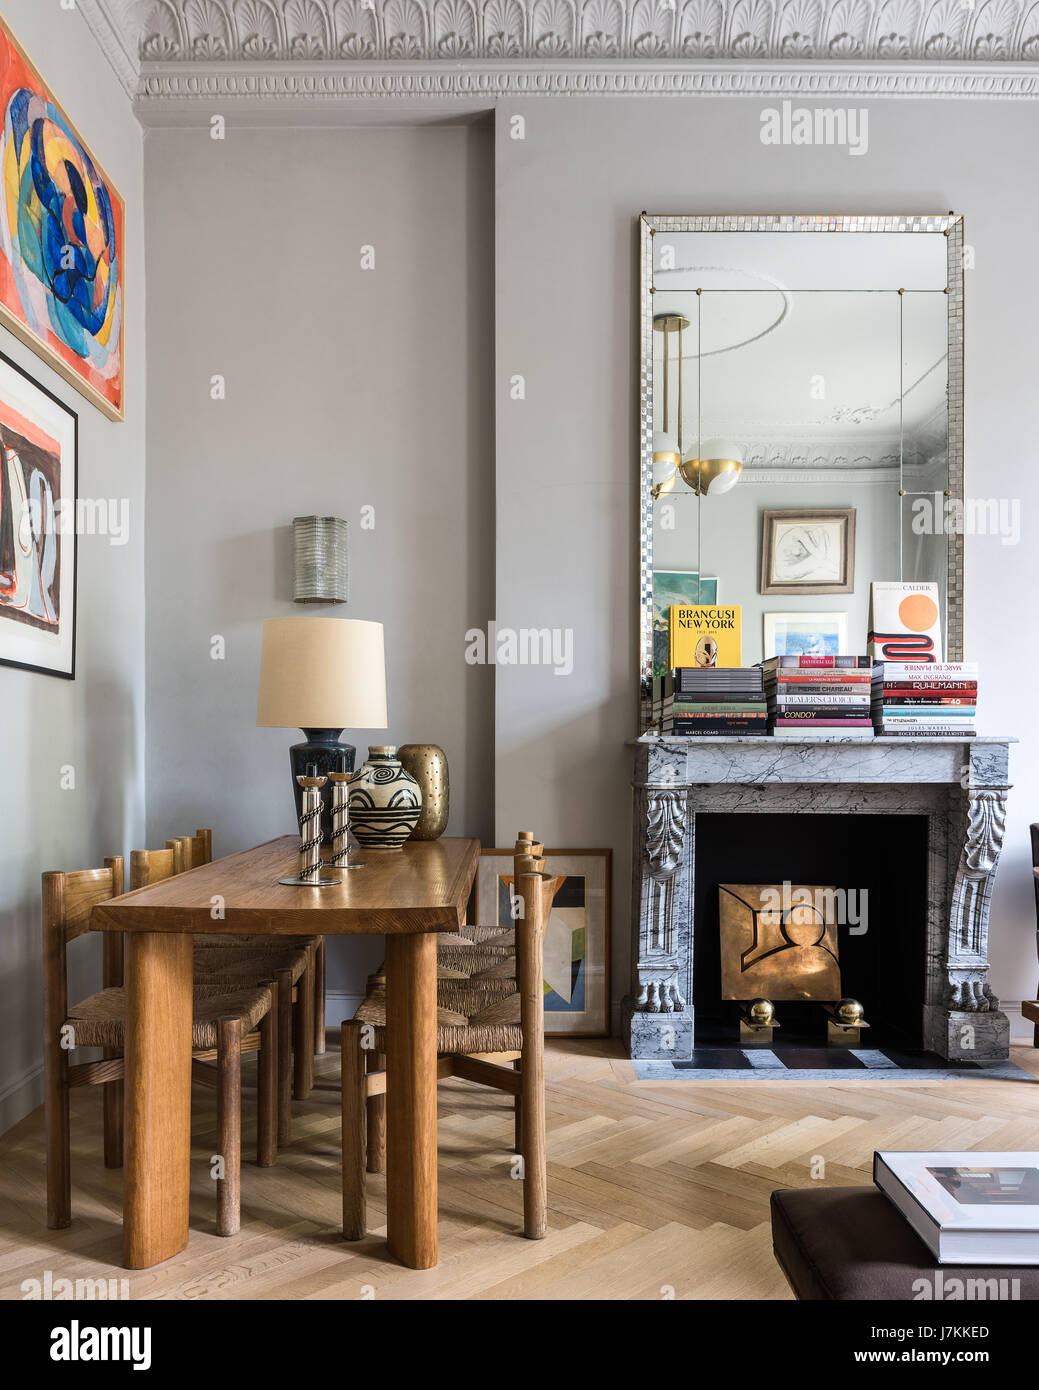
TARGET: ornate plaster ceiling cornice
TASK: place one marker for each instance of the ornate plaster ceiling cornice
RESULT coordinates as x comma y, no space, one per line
330,49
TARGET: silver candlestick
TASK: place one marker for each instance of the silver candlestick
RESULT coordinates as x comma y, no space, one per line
342,840
310,836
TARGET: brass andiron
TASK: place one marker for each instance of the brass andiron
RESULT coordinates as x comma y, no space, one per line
757,1022
310,835
341,837
844,1023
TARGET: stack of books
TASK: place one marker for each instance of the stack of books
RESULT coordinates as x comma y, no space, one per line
819,696
708,701
915,699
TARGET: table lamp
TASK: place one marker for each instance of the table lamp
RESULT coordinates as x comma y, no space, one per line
321,675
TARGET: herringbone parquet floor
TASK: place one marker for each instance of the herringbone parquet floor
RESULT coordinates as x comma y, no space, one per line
656,1190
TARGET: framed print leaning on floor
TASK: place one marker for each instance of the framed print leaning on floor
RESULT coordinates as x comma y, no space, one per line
38,464
577,939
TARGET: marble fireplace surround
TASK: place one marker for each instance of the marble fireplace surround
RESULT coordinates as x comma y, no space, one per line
961,785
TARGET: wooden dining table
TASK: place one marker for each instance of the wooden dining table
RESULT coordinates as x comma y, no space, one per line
408,895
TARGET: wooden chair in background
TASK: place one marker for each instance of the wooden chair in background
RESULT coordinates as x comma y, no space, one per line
490,1019
224,1025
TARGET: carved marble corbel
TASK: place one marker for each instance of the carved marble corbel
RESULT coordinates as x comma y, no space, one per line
968,987
665,831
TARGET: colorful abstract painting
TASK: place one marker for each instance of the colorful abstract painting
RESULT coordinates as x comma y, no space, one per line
38,440
61,238
681,587
577,939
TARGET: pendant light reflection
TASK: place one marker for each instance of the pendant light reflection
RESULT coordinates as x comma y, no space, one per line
722,464
667,447
718,471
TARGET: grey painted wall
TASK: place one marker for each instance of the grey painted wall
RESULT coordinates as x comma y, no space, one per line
567,198
345,388
95,723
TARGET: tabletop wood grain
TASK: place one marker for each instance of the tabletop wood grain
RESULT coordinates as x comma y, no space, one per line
423,887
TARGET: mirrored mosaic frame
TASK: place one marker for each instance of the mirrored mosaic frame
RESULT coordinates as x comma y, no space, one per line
951,226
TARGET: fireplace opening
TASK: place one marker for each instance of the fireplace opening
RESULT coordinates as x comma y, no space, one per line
879,861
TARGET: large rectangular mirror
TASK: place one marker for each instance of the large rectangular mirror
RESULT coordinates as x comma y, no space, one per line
810,367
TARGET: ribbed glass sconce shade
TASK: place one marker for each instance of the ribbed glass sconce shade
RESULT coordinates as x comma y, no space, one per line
321,570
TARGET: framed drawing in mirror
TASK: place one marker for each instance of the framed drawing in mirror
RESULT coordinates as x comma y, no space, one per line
810,551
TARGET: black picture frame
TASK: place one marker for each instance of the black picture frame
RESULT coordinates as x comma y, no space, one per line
70,674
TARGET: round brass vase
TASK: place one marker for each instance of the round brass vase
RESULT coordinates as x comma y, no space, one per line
428,765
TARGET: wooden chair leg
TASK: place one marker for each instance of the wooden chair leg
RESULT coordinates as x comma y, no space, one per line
319,999
267,1084
59,1142
376,1119
229,1124
354,1097
303,1035
535,1164
284,982
112,1101
517,1118
112,1091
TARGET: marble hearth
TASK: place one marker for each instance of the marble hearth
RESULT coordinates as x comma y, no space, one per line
961,787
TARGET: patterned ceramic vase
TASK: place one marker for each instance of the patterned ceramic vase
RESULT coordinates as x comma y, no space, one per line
385,801
428,765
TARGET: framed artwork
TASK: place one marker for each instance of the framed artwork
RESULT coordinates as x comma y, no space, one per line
61,237
38,464
806,634
808,552
577,940
681,587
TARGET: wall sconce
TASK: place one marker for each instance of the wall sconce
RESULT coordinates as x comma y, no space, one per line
320,568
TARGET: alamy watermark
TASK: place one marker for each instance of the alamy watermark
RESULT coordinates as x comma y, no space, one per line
820,125
48,1289
934,514
945,1288
524,646
847,907
86,516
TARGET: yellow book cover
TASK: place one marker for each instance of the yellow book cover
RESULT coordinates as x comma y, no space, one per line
705,634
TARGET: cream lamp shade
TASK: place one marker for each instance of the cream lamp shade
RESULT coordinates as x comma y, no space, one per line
322,673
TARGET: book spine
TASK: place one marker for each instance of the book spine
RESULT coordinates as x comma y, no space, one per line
728,694
928,712
883,731
938,698
719,707
919,688
825,677
814,698
750,720
909,670
810,733
788,722
825,663
860,689
809,712
721,732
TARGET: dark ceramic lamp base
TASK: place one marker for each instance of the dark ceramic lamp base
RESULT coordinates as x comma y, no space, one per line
323,748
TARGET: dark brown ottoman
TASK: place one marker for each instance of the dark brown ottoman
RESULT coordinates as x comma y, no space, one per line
851,1243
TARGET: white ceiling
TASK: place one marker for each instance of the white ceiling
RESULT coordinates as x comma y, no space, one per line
804,342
